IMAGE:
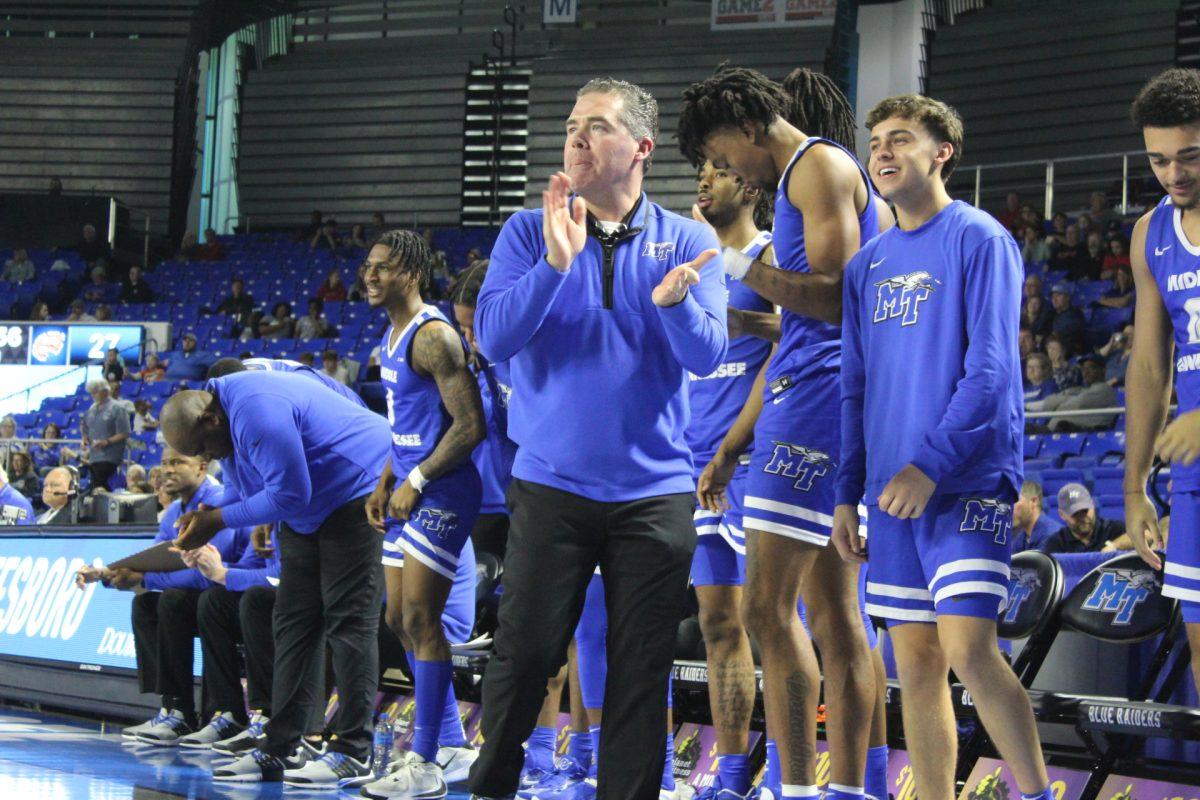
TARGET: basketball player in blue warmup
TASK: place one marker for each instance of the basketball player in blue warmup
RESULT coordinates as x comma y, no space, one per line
1165,256
299,454
824,211
718,566
427,497
932,419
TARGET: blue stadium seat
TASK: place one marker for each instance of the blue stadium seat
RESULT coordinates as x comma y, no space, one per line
1055,479
26,420
1108,480
1084,462
1033,445
1037,465
1067,444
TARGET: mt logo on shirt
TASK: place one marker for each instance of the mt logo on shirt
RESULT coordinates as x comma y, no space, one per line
902,295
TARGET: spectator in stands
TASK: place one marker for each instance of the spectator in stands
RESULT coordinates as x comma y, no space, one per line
115,393
103,313
332,366
15,508
8,440
1058,230
307,359
135,480
56,188
1084,531
79,313
47,455
105,428
192,250
188,364
1031,525
1085,226
1094,393
1116,258
313,227
58,490
250,329
1117,353
279,324
22,477
1071,256
134,289
1065,373
114,365
92,250
143,418
238,303
40,312
1100,211
152,370
1011,215
1069,323
312,325
1095,254
326,238
332,289
377,223
1031,216
98,290
1026,342
1035,251
1039,380
19,268
1121,295
357,238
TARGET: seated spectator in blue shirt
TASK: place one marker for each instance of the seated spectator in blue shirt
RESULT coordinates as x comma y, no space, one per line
1065,373
1094,393
1084,531
1069,323
47,455
1031,525
1121,295
1036,315
1039,382
188,364
1117,353
99,290
1035,251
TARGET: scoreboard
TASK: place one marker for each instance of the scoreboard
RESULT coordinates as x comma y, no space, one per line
38,344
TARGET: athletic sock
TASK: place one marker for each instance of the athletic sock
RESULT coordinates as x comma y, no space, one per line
668,779
774,775
837,791
877,772
452,733
733,772
579,747
432,678
1045,794
594,733
800,790
540,751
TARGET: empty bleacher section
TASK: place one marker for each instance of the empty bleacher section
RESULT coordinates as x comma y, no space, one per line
1044,80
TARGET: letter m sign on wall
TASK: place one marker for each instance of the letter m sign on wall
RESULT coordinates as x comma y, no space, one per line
559,11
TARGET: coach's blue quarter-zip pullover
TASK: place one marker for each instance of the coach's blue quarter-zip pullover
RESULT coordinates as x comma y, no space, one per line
931,374
300,449
599,373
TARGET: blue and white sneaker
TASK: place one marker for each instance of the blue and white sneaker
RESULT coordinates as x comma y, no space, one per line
167,733
132,731
245,741
716,791
332,770
575,790
222,726
415,779
259,767
566,770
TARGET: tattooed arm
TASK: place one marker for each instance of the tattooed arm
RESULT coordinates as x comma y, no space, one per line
437,352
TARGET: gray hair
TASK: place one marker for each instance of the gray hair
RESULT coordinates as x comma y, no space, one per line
639,111
98,385
1031,488
9,419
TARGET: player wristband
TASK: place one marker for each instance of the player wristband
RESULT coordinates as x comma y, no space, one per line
737,263
417,479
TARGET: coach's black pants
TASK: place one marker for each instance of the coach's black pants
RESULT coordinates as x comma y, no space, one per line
330,580
164,630
227,618
644,549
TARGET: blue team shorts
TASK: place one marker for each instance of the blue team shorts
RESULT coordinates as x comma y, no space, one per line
720,558
439,526
1181,577
458,617
789,491
951,561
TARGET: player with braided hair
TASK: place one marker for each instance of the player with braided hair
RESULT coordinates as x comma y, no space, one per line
426,503
818,106
825,210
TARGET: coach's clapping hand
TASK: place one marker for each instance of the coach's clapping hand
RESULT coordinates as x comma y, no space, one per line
196,528
564,223
906,494
674,286
90,575
207,561
404,499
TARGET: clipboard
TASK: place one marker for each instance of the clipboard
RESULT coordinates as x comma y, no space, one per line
157,558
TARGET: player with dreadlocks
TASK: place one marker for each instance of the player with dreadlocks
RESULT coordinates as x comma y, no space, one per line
426,503
825,210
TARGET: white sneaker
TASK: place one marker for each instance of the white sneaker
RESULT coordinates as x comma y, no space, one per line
258,767
167,732
245,741
222,726
132,731
332,770
456,762
416,779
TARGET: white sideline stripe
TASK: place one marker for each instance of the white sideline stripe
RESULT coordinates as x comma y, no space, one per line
970,565
901,614
970,587
411,550
799,512
768,526
900,592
